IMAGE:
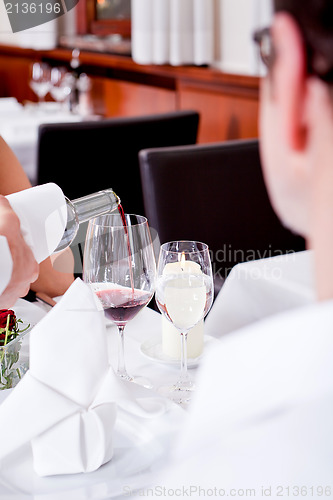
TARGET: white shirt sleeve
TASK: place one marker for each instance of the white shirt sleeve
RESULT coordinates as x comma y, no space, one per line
6,264
42,211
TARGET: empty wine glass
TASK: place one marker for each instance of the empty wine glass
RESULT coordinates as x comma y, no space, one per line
62,84
184,295
40,79
119,265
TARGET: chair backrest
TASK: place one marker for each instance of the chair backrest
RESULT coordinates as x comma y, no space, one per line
92,155
214,193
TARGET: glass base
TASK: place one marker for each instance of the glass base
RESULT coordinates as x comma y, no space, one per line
137,380
178,393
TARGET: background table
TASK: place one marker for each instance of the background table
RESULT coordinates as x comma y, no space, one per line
19,128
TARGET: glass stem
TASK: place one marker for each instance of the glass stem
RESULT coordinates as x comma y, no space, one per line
121,371
184,379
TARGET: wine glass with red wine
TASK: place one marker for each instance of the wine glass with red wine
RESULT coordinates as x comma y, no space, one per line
119,265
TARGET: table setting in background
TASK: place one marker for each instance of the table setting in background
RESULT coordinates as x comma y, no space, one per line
19,123
19,128
97,387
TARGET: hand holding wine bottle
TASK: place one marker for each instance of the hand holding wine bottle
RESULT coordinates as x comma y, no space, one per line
18,267
48,221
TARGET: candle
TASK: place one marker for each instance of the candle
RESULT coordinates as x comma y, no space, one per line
184,301
171,344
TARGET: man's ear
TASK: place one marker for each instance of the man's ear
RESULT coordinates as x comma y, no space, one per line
289,76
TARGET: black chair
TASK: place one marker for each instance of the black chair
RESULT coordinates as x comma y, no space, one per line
89,156
214,193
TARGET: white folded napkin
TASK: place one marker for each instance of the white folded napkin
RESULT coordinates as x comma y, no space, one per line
66,404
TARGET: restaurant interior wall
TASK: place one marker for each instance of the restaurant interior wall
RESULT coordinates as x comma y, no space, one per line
227,103
233,51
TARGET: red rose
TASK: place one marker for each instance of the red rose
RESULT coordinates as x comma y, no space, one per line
3,318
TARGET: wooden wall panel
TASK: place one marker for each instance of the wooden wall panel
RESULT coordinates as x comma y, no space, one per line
228,104
14,77
222,116
120,98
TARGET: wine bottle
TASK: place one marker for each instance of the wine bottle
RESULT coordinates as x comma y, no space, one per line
86,208
47,217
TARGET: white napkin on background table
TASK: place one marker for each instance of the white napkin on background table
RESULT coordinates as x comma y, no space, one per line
9,105
66,404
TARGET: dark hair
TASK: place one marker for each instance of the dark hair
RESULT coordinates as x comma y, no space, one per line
315,19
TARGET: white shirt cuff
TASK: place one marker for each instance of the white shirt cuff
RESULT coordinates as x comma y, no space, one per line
6,264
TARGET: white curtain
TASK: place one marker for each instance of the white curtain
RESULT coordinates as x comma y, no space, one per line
237,52
43,37
173,31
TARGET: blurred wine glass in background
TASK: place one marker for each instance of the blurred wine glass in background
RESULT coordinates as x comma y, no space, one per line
40,75
62,84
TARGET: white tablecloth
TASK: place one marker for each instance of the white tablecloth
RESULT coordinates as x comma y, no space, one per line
258,289
141,446
19,128
254,290
147,325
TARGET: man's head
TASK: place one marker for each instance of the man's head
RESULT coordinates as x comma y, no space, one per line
315,20
296,117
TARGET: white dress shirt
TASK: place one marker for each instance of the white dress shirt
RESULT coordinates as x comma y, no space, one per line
261,423
261,288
